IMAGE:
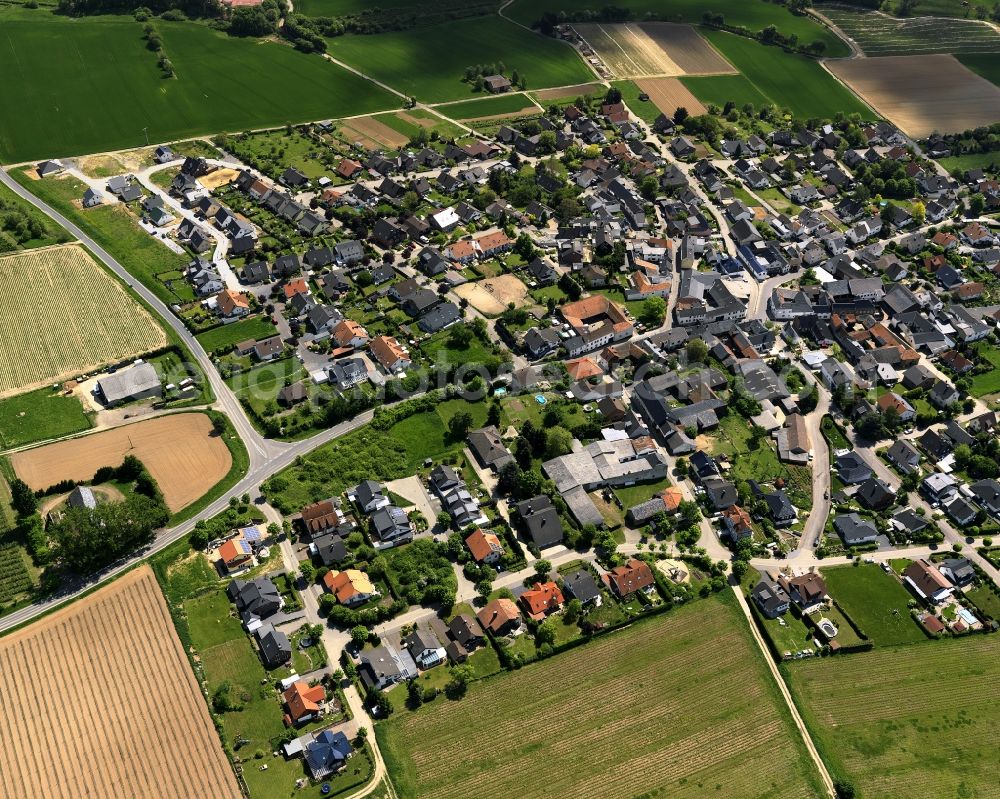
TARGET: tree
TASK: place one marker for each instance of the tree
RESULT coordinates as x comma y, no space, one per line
977,204
460,336
546,633
572,612
307,571
459,425
359,635
653,312
558,441
444,519
697,351
493,414
22,498
414,694
542,568
680,115
613,96
461,676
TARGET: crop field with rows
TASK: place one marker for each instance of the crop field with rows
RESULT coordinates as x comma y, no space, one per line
907,722
62,314
15,579
879,34
648,711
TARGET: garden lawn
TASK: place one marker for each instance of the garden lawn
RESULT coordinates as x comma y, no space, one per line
986,599
987,382
788,80
39,416
429,62
228,335
988,161
633,495
721,89
876,601
791,637
488,106
907,723
663,686
439,349
104,90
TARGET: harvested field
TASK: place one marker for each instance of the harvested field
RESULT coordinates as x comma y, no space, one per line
652,713
368,129
688,49
907,722
922,94
668,94
179,450
62,314
220,177
100,701
570,92
631,50
493,295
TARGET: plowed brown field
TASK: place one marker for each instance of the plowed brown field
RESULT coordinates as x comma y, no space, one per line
179,450
669,94
99,701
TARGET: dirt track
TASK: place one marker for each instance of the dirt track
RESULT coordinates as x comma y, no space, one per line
100,701
922,94
179,451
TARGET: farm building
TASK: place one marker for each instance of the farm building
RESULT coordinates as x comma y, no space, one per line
139,381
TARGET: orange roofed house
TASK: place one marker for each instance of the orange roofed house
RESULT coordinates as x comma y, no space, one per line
390,354
349,333
493,244
303,701
351,587
485,547
293,287
596,322
236,553
542,599
629,579
500,617
232,303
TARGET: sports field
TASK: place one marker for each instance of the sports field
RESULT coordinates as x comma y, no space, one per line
648,711
179,451
923,93
62,314
632,50
753,14
910,722
878,34
788,80
428,63
104,88
100,701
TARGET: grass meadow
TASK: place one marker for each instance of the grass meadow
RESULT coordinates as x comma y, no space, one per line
38,416
428,63
787,80
256,328
647,711
721,89
104,90
985,64
907,723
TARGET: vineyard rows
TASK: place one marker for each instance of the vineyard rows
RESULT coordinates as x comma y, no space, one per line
61,314
14,576
880,35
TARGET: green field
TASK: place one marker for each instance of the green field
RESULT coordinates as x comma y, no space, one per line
753,14
644,109
987,382
226,336
721,89
789,81
371,454
876,601
649,711
444,129
428,63
909,723
38,416
101,91
488,106
987,65
960,163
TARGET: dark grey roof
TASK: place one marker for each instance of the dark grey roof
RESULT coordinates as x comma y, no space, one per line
582,585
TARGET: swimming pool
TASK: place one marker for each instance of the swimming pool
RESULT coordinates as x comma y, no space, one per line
540,399
967,616
499,392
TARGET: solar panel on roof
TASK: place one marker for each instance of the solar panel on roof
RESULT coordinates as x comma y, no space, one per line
245,546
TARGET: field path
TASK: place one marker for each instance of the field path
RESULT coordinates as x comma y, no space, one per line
786,694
